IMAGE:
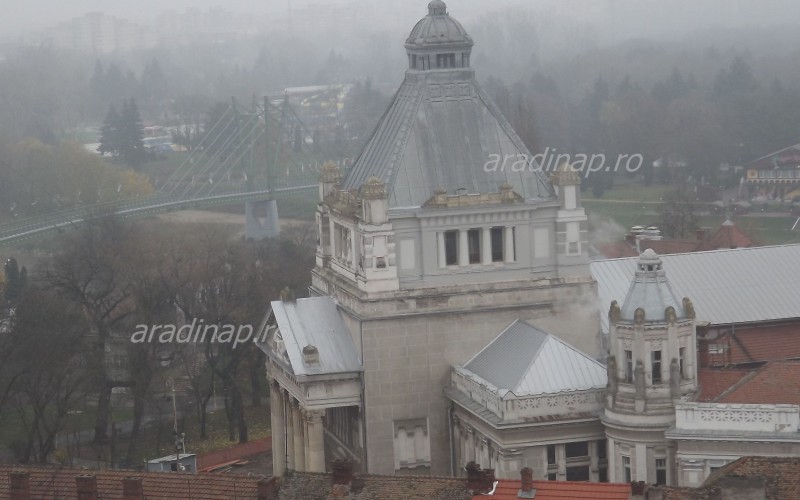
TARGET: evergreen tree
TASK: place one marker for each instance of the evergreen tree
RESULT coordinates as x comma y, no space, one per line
132,152
110,134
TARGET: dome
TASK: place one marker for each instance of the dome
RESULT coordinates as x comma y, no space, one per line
438,28
650,292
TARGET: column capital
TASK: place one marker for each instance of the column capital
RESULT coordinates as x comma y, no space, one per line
314,416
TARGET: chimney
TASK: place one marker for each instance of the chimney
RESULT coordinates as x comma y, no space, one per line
132,488
479,480
19,485
342,471
526,490
700,233
86,486
267,488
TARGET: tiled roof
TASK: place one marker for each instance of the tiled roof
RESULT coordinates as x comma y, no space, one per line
713,382
727,236
313,486
781,475
51,483
561,490
778,382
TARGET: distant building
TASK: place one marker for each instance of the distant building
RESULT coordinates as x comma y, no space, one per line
776,175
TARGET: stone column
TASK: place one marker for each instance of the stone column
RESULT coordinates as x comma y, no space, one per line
316,442
299,438
278,430
441,249
470,452
486,246
508,246
463,248
291,460
457,447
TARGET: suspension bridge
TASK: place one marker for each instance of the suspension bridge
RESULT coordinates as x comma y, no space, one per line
250,155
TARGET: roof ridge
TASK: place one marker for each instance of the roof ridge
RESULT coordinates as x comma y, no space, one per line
487,346
738,384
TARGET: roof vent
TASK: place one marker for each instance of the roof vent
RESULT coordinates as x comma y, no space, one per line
310,355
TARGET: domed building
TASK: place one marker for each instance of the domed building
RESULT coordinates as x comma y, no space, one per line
424,256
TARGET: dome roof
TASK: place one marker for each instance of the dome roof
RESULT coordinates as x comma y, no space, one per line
650,292
438,28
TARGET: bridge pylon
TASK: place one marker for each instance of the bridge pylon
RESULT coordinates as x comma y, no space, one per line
261,220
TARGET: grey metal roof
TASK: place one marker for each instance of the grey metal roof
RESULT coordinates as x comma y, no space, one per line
439,132
316,321
528,361
650,291
438,28
741,285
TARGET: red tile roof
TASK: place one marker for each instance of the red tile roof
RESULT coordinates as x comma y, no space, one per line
713,382
47,483
778,382
560,490
318,486
616,250
727,236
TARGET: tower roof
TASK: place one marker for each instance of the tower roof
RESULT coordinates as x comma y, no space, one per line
438,28
650,291
442,131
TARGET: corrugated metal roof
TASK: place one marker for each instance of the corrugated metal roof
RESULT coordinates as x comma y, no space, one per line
528,361
726,286
439,132
316,321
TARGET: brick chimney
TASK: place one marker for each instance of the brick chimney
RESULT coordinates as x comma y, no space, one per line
132,488
342,471
526,490
86,487
267,488
479,480
19,485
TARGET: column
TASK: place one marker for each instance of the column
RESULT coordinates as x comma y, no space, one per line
291,462
456,445
278,430
470,451
463,248
299,438
441,249
316,442
611,454
508,246
486,246
641,463
594,462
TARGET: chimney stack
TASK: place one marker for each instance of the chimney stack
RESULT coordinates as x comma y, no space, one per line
132,488
479,480
86,486
342,471
19,485
267,488
526,490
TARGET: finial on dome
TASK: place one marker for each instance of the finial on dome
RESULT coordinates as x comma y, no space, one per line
437,8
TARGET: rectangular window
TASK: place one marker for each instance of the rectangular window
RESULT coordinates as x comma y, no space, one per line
474,245
602,475
464,60
451,248
414,61
661,471
682,361
601,449
626,469
551,454
656,359
576,450
497,244
551,476
580,473
629,366
445,60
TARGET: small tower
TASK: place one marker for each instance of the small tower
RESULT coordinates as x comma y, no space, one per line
378,268
651,366
571,221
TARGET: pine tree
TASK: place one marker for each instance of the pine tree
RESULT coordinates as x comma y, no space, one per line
132,151
110,140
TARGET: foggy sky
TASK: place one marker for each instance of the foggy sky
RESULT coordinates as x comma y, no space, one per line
620,17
